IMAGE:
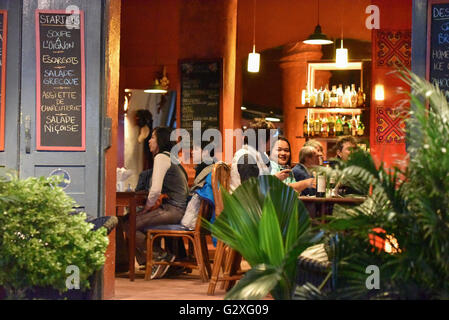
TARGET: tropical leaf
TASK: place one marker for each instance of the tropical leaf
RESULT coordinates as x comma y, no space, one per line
255,284
270,234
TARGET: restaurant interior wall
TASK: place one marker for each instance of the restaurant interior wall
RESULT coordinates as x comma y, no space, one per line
160,33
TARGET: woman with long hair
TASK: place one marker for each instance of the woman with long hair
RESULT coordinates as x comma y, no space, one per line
168,178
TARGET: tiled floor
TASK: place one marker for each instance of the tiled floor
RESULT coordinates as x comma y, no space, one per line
184,287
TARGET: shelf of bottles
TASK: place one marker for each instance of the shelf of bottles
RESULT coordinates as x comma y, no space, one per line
334,113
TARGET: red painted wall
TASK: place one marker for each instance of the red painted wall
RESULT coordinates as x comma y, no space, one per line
394,16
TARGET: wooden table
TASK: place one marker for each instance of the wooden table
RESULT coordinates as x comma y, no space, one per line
131,200
322,203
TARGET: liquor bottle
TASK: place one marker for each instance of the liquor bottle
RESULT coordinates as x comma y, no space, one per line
306,98
319,98
320,185
305,127
326,97
353,96
317,127
311,124
333,99
347,98
346,127
340,95
313,98
360,98
303,97
338,126
324,128
353,126
360,127
331,125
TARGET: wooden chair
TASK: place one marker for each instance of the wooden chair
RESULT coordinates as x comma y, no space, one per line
196,238
225,259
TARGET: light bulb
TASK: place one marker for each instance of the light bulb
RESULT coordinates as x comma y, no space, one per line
341,56
253,61
379,94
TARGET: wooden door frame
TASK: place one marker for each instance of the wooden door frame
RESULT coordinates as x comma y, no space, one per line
111,73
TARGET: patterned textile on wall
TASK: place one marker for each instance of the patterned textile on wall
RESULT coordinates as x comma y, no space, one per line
390,125
393,48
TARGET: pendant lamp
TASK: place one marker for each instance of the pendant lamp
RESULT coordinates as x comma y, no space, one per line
159,85
155,88
318,37
254,57
341,55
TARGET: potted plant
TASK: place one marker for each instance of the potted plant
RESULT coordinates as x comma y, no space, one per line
402,229
40,238
266,223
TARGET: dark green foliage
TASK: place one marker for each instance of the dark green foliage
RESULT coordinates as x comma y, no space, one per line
411,206
39,238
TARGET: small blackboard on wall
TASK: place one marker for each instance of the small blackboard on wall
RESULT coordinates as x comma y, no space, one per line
437,63
200,93
3,36
60,81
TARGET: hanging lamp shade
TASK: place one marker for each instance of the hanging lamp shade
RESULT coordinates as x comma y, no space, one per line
341,57
253,61
317,37
156,88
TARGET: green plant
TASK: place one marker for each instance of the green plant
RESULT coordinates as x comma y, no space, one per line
409,210
40,238
266,223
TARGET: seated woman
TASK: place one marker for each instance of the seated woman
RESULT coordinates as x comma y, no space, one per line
168,177
280,163
280,160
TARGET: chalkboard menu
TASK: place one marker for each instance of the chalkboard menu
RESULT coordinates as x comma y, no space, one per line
60,72
438,43
3,34
200,94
